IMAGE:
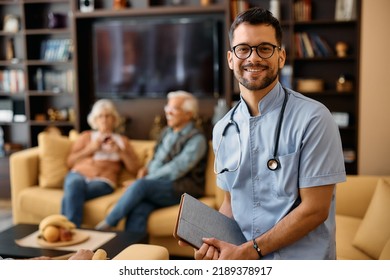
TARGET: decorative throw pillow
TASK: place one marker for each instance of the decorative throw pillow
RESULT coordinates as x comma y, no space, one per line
53,153
374,231
73,135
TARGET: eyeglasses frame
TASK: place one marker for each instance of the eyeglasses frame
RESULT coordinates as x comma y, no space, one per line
256,47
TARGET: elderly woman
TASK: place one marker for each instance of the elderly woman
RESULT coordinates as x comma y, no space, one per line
95,160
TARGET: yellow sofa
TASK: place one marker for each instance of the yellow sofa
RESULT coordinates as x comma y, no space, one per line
363,218
37,175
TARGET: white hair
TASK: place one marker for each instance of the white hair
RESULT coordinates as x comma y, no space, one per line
190,103
100,106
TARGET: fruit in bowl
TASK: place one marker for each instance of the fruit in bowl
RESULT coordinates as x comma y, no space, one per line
56,228
65,234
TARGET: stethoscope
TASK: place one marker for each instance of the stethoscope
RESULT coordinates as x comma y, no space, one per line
273,163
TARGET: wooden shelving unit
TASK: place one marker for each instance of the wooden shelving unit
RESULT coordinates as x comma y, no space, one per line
321,21
33,102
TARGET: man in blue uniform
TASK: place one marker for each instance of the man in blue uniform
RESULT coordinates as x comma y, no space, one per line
279,180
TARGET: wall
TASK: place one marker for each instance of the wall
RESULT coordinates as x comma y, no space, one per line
374,130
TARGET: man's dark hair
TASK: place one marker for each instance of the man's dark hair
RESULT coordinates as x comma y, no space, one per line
256,16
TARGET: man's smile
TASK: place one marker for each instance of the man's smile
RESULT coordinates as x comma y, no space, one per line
257,68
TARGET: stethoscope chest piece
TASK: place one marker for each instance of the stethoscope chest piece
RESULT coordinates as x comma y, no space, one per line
273,164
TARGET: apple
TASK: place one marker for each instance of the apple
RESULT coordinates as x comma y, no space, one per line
65,234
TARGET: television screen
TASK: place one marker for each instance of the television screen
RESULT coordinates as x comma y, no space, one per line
149,57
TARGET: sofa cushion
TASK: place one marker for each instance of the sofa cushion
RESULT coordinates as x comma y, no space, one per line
346,228
374,230
53,152
40,202
144,151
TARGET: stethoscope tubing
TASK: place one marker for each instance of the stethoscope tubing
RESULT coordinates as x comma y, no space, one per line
273,163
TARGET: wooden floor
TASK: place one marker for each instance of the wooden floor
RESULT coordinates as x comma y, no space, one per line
5,214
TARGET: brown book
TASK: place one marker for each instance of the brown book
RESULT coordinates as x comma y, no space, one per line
197,220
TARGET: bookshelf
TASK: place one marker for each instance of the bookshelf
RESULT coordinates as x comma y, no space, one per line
12,70
338,70
323,60
50,96
36,69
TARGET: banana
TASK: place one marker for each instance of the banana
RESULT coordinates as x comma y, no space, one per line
50,220
100,254
57,220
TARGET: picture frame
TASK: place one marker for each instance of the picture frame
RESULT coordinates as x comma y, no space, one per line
345,10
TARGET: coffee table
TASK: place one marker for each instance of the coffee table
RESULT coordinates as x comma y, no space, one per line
9,249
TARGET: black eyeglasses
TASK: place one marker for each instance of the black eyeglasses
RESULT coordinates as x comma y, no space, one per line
264,50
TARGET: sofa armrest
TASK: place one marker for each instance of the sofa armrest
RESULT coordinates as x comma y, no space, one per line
24,171
24,168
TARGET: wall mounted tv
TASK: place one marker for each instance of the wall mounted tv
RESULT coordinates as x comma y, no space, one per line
148,57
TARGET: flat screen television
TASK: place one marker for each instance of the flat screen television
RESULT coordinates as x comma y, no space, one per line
149,57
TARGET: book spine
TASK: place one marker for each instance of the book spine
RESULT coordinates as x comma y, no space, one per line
298,46
307,44
39,79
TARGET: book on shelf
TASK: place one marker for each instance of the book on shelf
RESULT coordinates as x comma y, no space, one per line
39,79
12,81
56,49
57,81
302,10
311,45
238,6
307,45
298,47
316,48
322,45
301,48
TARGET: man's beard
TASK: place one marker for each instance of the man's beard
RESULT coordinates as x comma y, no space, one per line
255,85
